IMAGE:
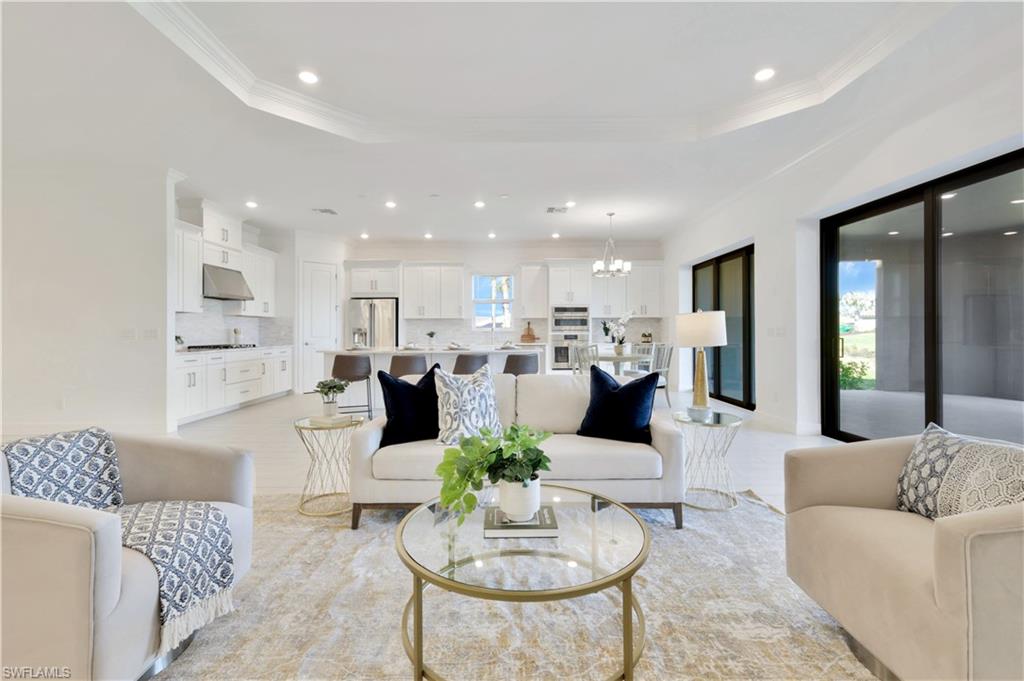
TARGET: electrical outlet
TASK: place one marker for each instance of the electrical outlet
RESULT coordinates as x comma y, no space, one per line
129,335
149,334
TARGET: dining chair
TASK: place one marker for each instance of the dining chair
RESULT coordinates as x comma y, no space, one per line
584,357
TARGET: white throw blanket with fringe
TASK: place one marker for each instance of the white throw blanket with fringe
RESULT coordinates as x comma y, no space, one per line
189,543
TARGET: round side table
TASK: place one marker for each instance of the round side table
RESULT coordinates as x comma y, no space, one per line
709,482
327,477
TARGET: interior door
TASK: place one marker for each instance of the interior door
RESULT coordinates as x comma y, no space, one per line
318,309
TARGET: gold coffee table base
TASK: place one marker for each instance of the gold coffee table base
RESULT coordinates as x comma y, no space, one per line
414,606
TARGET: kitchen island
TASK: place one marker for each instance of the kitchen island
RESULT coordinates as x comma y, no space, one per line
380,360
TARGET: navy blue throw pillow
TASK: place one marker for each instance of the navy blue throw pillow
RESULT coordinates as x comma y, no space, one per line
411,409
619,412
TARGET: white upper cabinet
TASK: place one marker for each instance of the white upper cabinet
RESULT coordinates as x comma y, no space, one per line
188,251
645,289
220,229
569,284
432,292
367,281
533,292
259,268
609,297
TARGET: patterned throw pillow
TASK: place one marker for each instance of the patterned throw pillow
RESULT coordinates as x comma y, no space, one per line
77,468
948,474
465,405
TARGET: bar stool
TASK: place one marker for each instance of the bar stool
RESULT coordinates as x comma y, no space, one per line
355,368
468,364
522,364
407,365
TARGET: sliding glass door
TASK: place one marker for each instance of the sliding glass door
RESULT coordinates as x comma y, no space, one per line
727,283
922,306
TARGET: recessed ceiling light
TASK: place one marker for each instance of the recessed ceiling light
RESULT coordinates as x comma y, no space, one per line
309,78
556,235
434,196
945,234
390,204
570,204
251,204
764,74
947,195
364,235
491,235
479,204
1017,201
893,233
1009,233
428,235
503,196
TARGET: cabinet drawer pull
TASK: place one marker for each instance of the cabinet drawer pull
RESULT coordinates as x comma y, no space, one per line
244,371
243,392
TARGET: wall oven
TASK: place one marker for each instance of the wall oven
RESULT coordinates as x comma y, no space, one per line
561,350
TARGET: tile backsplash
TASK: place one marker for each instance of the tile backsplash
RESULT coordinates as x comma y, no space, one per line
213,326
634,329
461,331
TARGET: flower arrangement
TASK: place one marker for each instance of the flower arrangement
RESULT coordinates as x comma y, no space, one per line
618,329
431,334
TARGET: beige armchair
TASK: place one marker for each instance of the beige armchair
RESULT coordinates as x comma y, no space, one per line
73,597
939,599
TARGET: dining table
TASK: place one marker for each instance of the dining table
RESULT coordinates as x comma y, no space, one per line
618,360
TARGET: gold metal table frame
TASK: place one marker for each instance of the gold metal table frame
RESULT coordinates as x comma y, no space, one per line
328,474
633,640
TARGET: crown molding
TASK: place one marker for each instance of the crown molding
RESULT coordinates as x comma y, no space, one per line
183,28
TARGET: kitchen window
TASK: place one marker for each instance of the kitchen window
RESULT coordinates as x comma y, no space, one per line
492,301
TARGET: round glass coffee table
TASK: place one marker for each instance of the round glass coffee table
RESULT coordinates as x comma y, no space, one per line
601,545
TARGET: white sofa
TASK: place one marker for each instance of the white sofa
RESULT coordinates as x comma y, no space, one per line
929,599
642,476
73,597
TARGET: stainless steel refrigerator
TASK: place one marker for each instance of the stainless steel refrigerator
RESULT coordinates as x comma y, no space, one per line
373,322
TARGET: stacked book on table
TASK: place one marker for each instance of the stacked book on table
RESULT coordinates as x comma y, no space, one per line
498,526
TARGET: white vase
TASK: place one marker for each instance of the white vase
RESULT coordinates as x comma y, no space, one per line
519,503
330,408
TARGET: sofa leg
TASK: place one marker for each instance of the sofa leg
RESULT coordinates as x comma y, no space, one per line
357,510
677,511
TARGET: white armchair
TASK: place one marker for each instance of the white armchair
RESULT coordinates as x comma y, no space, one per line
73,597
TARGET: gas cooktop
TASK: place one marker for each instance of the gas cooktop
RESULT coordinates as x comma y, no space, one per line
225,346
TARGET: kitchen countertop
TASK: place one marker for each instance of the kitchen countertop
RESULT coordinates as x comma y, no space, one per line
258,348
442,350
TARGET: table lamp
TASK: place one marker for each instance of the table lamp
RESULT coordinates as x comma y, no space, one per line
700,330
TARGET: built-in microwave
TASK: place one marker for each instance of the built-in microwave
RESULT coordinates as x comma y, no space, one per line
570,319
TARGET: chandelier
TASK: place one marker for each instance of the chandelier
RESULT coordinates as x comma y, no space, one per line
611,265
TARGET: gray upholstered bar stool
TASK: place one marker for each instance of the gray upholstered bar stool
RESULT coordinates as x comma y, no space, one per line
408,365
468,364
355,368
522,364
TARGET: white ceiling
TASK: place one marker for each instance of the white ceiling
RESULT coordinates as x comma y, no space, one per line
545,103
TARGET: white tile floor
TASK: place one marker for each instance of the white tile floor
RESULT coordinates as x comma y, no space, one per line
266,429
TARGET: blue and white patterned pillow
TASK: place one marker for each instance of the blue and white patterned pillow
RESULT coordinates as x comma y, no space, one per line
947,474
77,467
465,406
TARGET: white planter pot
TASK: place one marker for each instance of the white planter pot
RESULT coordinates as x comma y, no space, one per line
519,503
330,408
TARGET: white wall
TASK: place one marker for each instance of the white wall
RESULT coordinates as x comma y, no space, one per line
781,217
85,325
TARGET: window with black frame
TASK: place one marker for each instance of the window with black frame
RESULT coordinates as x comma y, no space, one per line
727,283
923,309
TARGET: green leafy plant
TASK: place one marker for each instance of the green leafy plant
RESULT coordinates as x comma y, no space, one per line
852,375
431,334
606,327
513,456
330,388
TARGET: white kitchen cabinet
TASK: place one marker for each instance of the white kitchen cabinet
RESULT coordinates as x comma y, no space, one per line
283,370
259,268
532,292
373,280
216,383
190,384
222,257
268,375
609,297
219,227
188,251
266,268
432,291
645,290
569,284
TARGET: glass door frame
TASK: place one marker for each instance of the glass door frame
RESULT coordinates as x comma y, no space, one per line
928,194
714,354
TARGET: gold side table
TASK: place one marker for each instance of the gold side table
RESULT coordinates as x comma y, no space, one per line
327,477
601,547
708,479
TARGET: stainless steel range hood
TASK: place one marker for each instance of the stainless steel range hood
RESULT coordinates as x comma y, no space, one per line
221,283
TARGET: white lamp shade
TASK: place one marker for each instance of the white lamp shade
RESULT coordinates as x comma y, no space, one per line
701,329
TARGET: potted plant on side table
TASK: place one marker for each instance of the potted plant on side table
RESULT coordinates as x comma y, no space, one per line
510,460
329,390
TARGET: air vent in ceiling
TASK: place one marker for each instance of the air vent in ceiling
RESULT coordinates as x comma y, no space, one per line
325,211
557,209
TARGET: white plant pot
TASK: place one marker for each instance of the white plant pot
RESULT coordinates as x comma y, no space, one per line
330,408
519,503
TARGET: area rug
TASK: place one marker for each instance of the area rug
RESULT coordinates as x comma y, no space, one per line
325,602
